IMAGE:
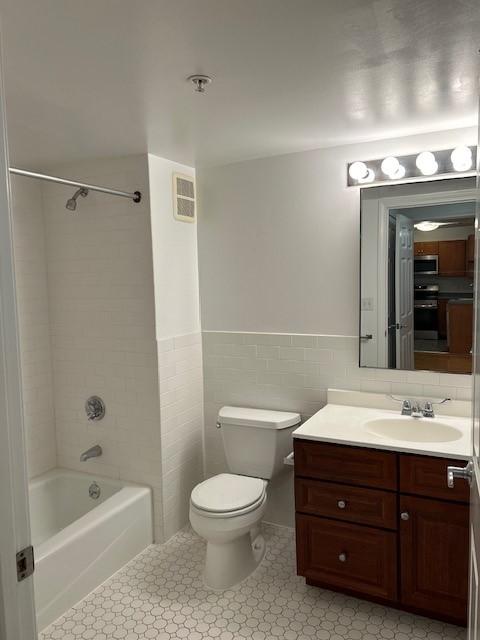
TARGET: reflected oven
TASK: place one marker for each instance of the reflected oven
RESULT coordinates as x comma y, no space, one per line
425,312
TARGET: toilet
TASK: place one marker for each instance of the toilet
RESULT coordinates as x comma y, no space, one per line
226,510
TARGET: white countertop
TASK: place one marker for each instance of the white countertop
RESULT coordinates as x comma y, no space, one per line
345,424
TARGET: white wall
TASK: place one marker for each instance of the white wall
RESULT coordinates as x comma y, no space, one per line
279,280
92,327
279,238
175,265
34,327
102,316
175,255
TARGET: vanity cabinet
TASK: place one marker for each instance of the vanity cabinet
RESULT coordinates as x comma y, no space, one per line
384,526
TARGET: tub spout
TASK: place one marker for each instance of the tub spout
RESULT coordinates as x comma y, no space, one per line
93,452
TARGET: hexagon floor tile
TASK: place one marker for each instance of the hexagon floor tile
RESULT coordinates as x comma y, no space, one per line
160,594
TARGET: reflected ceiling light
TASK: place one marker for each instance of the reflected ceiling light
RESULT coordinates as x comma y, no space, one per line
426,163
461,158
427,225
358,171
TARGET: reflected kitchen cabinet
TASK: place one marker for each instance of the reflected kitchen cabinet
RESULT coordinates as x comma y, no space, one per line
451,257
460,326
426,248
470,258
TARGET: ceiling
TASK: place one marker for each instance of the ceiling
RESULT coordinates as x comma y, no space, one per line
95,78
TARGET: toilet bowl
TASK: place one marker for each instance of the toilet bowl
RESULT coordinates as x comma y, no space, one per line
226,511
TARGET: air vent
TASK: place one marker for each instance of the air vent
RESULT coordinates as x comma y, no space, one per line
183,197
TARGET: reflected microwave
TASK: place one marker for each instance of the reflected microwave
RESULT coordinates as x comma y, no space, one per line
425,265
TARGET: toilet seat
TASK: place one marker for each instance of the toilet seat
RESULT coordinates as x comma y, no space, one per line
227,495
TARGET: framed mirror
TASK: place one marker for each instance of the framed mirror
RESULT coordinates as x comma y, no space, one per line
417,244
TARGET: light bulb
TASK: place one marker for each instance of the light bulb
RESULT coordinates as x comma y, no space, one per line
427,225
461,158
358,171
370,177
426,163
399,173
390,166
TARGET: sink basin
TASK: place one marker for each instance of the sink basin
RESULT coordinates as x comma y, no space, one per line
413,429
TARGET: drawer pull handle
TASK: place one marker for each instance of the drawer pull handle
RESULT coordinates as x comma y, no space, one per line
405,515
342,557
341,504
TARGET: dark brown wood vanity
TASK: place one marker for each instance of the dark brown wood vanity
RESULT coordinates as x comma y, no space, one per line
383,526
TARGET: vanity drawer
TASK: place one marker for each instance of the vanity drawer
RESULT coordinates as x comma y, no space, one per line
425,476
348,557
351,465
354,504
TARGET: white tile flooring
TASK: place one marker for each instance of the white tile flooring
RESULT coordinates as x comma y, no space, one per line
160,594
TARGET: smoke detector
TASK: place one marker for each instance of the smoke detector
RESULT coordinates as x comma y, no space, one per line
200,82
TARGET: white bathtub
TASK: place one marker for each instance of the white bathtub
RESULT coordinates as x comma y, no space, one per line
80,541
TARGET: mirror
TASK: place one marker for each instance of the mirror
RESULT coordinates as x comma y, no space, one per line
417,244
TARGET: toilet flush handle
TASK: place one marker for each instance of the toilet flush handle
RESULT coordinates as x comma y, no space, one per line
218,425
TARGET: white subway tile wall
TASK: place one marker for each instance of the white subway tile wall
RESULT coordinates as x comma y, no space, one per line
102,320
87,327
34,327
181,410
293,372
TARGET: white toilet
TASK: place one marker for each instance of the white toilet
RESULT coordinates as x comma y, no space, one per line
227,509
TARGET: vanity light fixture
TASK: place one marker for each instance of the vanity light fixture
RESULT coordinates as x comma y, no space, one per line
418,166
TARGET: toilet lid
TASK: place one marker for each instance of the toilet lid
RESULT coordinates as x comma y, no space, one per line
228,492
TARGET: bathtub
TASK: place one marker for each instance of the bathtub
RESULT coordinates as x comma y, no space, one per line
79,540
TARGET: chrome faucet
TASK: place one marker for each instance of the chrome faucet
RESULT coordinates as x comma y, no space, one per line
412,408
93,452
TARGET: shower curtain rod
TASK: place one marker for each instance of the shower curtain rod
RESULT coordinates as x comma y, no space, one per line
136,196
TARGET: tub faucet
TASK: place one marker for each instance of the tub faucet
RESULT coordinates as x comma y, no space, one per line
93,452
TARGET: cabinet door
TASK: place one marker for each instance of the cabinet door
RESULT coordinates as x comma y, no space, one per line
425,248
451,257
434,557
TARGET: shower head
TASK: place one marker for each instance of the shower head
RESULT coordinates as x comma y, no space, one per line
72,202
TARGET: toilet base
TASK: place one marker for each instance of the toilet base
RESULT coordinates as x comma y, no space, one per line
229,563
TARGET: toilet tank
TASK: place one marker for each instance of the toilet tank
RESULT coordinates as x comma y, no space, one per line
256,440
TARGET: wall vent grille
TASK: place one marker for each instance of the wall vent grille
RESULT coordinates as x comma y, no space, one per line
183,197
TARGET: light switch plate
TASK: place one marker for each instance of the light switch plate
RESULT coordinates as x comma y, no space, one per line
367,304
